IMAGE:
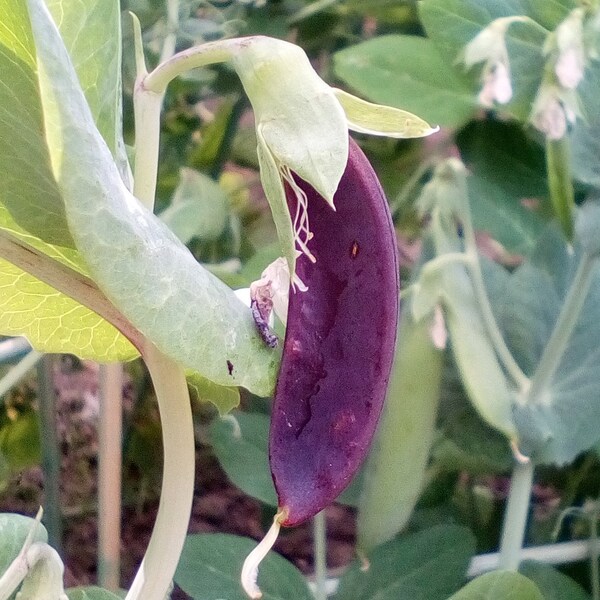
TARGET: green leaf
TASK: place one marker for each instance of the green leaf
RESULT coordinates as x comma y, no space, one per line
53,322
210,567
134,258
409,73
553,584
31,209
240,442
562,425
451,24
505,169
199,208
499,585
92,593
30,201
585,138
13,532
549,13
223,397
91,31
428,565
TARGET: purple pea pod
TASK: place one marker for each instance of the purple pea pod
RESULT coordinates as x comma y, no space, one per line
339,341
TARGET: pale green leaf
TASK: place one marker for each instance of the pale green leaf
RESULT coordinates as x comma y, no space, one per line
585,138
134,258
428,565
505,585
210,567
199,208
30,201
91,31
549,13
32,210
13,532
409,73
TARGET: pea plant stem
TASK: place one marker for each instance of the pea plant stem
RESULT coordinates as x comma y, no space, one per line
504,354
567,320
148,98
515,518
520,490
153,578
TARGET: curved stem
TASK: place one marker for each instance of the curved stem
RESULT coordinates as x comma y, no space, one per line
153,578
565,324
504,354
515,518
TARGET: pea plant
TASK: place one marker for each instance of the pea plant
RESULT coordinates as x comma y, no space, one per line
486,366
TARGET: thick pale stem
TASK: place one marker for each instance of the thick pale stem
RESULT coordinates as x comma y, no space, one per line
147,101
153,578
515,518
146,106
565,324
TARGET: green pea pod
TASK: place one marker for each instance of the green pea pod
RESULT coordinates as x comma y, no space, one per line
481,373
395,468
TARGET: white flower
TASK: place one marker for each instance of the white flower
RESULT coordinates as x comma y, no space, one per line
552,111
496,86
489,47
570,62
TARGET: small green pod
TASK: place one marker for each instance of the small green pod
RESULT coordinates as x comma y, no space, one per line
395,468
